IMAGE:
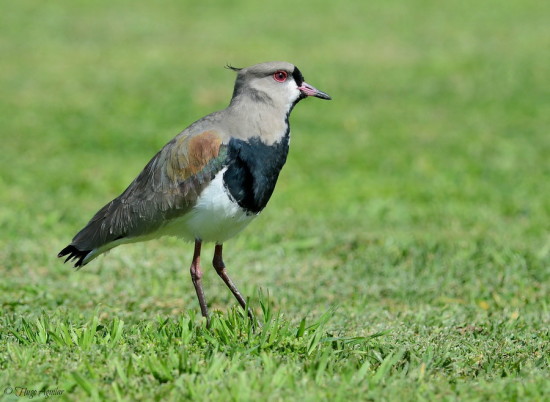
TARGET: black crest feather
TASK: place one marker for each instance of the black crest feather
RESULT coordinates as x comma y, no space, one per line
230,67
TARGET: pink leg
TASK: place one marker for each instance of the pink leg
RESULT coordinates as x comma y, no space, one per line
196,276
219,265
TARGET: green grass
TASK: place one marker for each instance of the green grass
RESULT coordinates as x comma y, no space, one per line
405,253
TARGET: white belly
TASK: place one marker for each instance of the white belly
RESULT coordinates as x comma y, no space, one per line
215,218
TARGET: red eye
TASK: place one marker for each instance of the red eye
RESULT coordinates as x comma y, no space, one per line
280,76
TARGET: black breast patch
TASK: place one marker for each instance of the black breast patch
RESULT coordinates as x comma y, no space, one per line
252,170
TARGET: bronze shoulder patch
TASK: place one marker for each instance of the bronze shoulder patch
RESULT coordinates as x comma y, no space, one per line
189,155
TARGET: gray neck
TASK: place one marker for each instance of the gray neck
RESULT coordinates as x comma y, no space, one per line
255,114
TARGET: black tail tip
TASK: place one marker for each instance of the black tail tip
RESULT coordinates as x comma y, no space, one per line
74,254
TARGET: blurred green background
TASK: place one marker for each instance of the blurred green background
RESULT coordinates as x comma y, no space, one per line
418,195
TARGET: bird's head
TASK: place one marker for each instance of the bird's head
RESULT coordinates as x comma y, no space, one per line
277,82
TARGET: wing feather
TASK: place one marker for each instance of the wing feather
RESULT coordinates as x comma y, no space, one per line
167,188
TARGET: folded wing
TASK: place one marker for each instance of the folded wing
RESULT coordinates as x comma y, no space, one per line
166,188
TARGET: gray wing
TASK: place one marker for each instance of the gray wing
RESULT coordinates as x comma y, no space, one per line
166,188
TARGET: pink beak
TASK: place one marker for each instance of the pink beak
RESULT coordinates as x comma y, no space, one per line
309,90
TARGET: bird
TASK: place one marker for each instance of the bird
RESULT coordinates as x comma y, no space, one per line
211,180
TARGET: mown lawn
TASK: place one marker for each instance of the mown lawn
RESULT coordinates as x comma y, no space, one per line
405,253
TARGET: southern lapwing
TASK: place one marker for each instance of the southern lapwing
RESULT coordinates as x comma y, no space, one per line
210,181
